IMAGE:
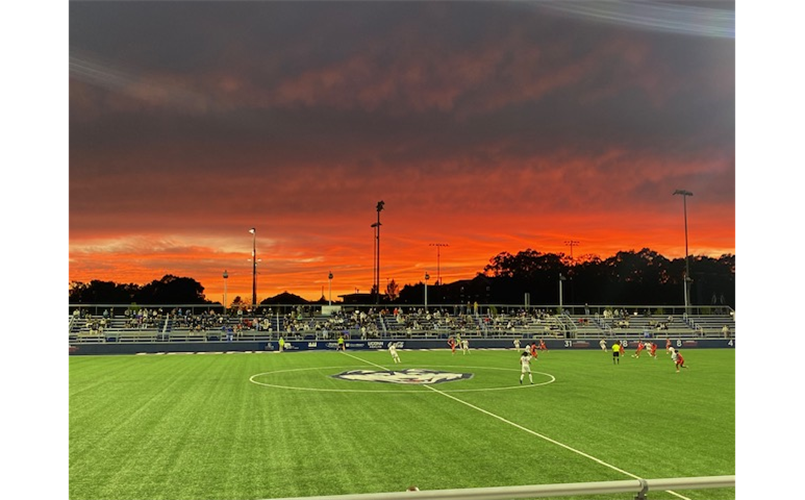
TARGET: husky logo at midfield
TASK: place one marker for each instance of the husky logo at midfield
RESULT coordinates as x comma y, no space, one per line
409,376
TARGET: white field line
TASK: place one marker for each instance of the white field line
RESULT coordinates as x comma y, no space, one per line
513,424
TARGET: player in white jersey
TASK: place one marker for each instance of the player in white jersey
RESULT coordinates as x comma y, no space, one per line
393,352
525,367
465,346
517,344
603,345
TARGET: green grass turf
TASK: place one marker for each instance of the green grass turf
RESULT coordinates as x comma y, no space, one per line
197,426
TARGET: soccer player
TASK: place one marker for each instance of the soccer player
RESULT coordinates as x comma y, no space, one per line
517,344
653,350
640,347
342,346
465,346
533,350
525,367
679,361
616,353
624,345
603,344
393,352
668,347
542,345
452,343
282,344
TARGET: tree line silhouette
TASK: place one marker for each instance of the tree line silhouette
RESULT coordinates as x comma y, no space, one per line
636,278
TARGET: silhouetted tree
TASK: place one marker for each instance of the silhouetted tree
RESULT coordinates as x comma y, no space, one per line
171,290
101,292
628,278
392,291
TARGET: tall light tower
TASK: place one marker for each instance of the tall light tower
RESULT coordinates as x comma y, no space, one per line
376,225
330,289
684,193
571,244
439,261
254,267
427,277
375,274
226,275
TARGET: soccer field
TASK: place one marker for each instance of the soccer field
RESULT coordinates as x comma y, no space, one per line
267,425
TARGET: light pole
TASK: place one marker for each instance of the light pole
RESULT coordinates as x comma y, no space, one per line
375,274
571,244
684,193
254,267
330,289
561,279
439,261
379,208
427,277
226,275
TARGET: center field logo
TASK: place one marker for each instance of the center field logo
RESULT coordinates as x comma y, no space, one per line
411,376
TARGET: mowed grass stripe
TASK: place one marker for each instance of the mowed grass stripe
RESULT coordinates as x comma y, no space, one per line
205,431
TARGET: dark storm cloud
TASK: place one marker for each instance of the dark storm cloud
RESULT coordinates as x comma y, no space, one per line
459,76
197,116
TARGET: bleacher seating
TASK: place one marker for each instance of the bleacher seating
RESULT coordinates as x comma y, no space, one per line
155,326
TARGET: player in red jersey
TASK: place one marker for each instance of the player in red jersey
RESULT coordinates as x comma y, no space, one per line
624,345
640,347
533,349
667,345
542,345
679,361
452,343
653,350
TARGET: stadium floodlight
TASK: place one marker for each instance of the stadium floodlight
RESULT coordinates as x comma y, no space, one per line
380,205
427,277
226,275
254,267
571,244
330,289
439,260
686,279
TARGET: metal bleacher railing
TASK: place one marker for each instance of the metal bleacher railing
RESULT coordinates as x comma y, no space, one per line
115,323
640,487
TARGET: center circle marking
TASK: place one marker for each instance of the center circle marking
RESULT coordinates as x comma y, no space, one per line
253,380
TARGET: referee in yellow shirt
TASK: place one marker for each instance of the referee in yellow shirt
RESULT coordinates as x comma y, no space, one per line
616,353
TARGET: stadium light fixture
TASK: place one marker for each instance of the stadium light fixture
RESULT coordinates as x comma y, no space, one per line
686,279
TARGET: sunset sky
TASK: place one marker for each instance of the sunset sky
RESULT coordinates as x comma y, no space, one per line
485,126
